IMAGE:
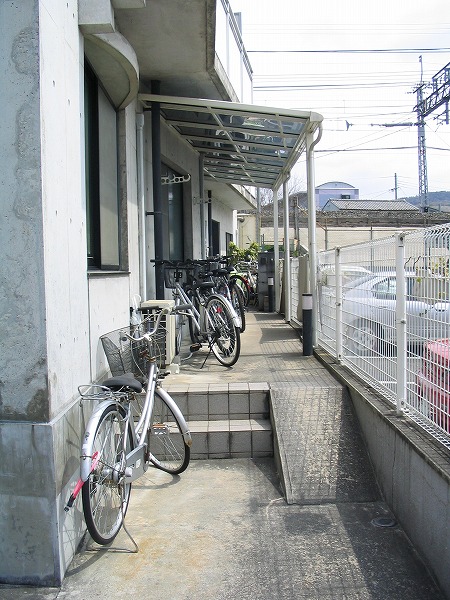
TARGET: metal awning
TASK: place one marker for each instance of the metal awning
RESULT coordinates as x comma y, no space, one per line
241,144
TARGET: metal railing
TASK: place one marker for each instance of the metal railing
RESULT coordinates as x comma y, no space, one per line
384,312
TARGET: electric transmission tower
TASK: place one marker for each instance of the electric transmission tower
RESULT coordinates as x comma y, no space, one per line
422,151
439,96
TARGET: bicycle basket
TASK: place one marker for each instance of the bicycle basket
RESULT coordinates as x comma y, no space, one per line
173,275
132,356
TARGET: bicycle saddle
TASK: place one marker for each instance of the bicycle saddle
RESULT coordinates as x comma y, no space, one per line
121,381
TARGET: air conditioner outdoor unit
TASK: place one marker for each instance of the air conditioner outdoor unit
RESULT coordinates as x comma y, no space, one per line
166,339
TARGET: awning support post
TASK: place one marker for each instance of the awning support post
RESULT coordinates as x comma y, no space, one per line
276,250
287,256
310,144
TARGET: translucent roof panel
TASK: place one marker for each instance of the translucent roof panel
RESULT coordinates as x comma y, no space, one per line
240,143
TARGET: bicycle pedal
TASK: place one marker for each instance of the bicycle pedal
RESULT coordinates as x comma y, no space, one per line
195,347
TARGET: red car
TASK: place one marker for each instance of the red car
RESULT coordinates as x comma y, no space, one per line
434,383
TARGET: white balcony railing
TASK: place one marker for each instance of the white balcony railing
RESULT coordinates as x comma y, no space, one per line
231,52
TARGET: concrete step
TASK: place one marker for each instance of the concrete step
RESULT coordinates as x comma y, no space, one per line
229,420
231,438
215,401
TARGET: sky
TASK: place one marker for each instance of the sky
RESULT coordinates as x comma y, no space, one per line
358,63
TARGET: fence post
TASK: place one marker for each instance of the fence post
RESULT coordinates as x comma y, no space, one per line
400,321
338,277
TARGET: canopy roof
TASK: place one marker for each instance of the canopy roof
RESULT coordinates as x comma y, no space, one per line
241,144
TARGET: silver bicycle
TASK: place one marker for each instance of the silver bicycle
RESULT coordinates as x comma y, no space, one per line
124,436
211,317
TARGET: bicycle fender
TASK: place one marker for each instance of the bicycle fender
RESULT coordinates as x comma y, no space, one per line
179,415
236,319
86,448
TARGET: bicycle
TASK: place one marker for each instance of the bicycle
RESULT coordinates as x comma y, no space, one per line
211,317
124,437
245,276
227,285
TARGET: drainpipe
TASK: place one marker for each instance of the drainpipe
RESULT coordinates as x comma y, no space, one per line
141,204
310,144
157,191
287,256
209,223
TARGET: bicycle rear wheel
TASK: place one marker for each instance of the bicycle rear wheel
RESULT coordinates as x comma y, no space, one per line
105,493
224,336
168,449
238,302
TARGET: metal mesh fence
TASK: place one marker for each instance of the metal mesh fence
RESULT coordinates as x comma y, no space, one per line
384,311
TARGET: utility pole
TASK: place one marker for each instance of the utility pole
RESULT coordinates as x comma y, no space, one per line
395,186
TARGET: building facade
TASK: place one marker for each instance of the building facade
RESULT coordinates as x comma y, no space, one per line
77,190
128,135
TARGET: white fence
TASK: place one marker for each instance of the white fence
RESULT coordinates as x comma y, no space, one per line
384,311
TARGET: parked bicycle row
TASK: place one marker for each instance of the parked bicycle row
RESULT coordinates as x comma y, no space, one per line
136,423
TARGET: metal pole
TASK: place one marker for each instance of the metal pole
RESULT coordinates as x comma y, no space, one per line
157,191
202,207
258,217
210,249
276,249
307,320
400,322
337,273
287,257
141,204
310,143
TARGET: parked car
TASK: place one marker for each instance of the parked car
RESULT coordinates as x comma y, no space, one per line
433,383
369,314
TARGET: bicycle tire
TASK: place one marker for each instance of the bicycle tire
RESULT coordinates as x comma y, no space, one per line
168,449
223,335
179,325
244,286
193,333
237,300
105,495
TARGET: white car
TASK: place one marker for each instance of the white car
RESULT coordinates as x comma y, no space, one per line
369,314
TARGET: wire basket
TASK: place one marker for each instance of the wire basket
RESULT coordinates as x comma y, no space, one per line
132,356
174,275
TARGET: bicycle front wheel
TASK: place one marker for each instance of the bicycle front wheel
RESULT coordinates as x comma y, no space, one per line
105,493
223,335
243,284
168,449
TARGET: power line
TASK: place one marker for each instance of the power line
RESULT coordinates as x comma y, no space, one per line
353,51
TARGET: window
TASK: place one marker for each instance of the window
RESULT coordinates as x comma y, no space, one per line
228,239
101,155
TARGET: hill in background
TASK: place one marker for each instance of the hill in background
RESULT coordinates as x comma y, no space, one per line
436,200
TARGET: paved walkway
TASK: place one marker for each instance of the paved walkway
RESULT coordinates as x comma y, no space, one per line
224,530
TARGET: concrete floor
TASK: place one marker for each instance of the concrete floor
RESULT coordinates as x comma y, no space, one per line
223,529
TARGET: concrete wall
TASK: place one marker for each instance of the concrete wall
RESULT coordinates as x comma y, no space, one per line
52,311
412,470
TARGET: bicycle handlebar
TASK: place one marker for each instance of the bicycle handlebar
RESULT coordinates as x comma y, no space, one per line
148,334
